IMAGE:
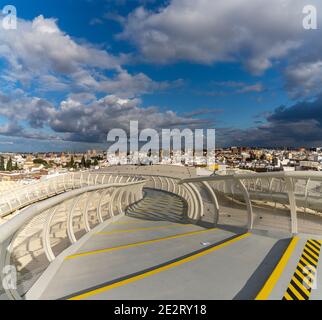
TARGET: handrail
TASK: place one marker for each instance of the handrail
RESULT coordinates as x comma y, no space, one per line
28,235
280,174
26,195
12,225
292,190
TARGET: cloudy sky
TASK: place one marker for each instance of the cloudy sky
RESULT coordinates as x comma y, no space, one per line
73,70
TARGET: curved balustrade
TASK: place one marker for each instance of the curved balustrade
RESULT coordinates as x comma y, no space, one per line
286,201
29,194
31,240
199,197
63,209
74,204
190,193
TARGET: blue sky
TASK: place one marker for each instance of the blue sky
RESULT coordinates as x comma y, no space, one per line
73,70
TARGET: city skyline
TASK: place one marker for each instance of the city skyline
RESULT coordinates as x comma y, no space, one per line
72,72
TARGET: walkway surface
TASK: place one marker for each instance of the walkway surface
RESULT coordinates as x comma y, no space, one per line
155,253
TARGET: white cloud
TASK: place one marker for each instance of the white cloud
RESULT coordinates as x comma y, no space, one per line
305,79
39,46
254,32
126,85
91,122
82,117
257,87
41,55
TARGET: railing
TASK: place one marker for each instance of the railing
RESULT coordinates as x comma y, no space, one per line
286,201
198,197
74,204
63,209
29,194
31,240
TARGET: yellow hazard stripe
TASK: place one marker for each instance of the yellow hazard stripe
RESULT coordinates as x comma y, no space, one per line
300,286
303,278
271,282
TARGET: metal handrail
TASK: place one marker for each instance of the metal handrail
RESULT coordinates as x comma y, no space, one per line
22,197
287,193
40,216
13,225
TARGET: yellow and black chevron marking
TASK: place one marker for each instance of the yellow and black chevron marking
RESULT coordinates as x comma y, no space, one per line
303,279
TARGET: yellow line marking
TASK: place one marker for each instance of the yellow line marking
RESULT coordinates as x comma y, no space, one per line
138,244
272,280
128,222
158,270
143,229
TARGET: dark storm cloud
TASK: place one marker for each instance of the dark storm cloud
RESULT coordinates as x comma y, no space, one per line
297,125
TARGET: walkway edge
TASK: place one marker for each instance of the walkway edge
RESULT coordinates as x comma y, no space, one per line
274,277
39,287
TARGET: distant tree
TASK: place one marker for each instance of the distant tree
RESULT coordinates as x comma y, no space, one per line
88,163
40,161
9,165
16,168
2,167
95,162
71,163
83,162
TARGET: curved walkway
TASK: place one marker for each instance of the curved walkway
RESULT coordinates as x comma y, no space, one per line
155,253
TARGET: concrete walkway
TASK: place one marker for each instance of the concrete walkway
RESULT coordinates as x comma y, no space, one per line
154,253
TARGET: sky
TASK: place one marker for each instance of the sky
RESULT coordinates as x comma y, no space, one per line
73,70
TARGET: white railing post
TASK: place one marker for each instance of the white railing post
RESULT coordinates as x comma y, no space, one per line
46,235
99,207
307,193
70,216
292,203
215,201
248,202
85,213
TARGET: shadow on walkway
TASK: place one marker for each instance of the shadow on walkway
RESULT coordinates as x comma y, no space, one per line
263,272
159,206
